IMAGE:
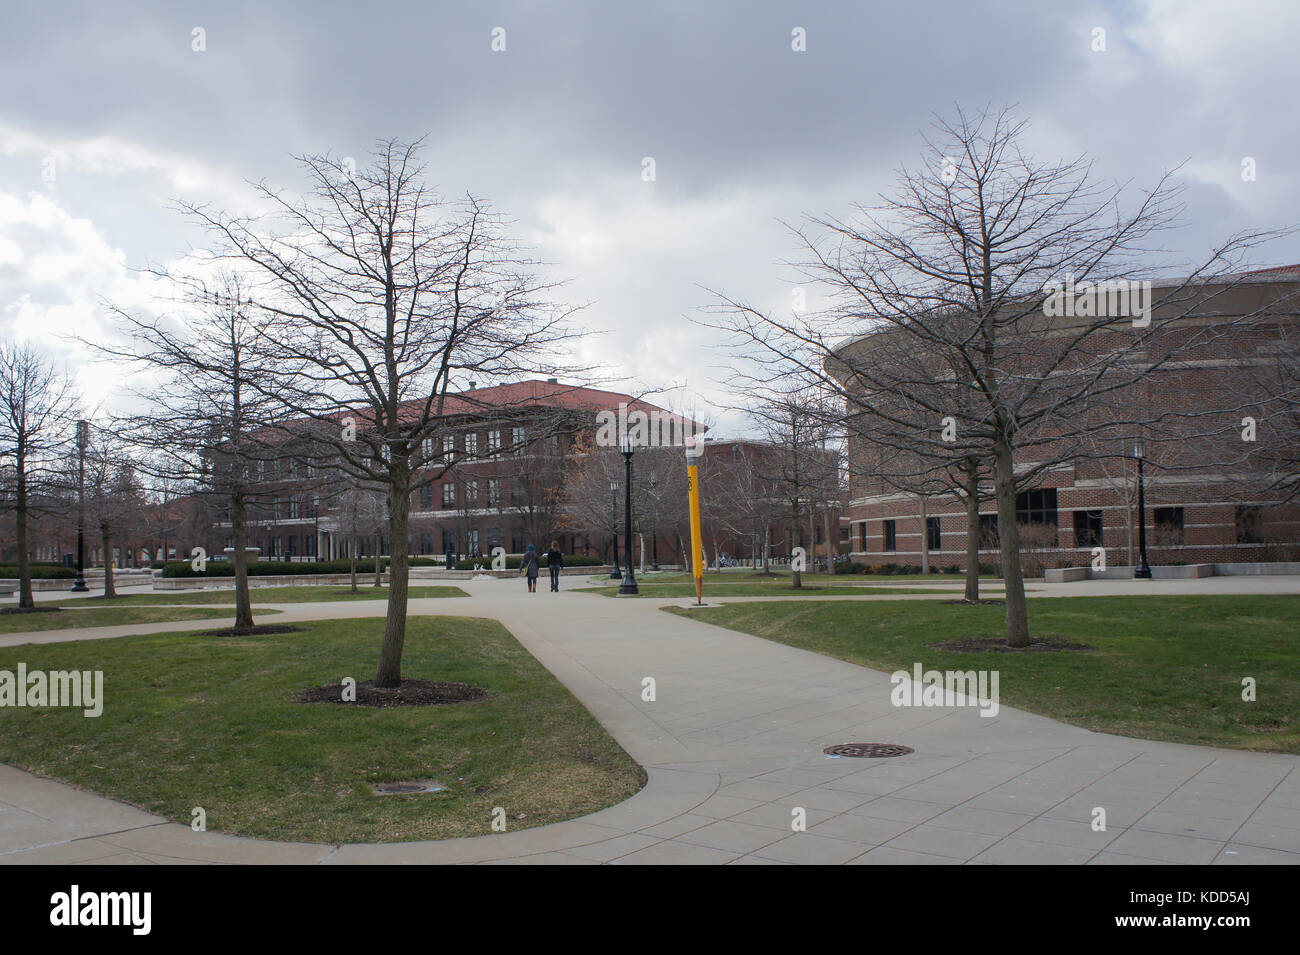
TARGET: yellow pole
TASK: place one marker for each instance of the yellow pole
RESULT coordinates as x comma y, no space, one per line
694,451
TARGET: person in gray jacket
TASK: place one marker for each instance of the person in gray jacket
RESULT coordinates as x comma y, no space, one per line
530,567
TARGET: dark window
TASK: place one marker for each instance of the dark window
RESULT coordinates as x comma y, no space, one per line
1169,526
1249,524
891,535
989,537
1087,528
1036,507
933,534
448,496
448,541
517,542
426,497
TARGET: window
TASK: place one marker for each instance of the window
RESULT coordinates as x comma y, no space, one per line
471,494
519,441
494,493
426,498
426,450
471,542
517,544
310,549
293,509
493,443
448,541
449,446
1036,507
1169,526
1249,524
1087,528
471,442
990,539
552,444
891,535
275,508
516,494
448,496
933,534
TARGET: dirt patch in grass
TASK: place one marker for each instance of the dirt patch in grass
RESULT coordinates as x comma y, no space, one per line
999,644
972,603
250,631
410,693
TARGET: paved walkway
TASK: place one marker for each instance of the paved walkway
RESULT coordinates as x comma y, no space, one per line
733,745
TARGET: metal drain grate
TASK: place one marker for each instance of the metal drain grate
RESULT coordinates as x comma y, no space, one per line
398,789
868,750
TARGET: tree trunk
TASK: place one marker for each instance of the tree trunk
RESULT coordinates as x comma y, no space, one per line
105,535
239,530
767,546
352,548
795,531
1009,537
925,538
379,560
399,504
972,532
25,598
830,560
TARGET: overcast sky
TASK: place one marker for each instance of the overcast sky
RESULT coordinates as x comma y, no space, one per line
114,102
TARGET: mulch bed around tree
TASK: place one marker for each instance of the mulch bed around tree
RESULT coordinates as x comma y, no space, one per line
30,609
250,631
410,693
999,644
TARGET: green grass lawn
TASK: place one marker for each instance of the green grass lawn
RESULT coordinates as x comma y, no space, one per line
1167,668
100,615
259,595
213,722
726,588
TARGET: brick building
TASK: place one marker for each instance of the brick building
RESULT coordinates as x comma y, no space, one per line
1210,496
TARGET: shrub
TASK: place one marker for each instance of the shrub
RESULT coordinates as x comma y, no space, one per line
42,571
513,562
268,568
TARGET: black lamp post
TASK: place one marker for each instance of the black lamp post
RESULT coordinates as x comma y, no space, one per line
614,574
628,587
1143,569
83,439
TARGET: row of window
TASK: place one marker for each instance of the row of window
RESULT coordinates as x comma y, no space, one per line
469,494
466,443
1167,525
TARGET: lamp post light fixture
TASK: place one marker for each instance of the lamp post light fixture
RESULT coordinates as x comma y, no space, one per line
83,439
614,574
628,587
1143,569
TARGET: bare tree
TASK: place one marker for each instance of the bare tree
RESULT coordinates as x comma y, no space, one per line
387,294
959,272
38,409
208,395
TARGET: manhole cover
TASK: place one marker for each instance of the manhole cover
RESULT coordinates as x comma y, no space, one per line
868,750
397,789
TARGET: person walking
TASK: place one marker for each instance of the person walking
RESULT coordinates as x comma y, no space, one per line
529,567
555,560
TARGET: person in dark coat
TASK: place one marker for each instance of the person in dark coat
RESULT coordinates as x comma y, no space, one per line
555,560
529,567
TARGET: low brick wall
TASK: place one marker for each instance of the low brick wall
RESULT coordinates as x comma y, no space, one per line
1060,575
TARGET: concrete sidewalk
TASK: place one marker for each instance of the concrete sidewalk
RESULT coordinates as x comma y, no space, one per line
733,747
